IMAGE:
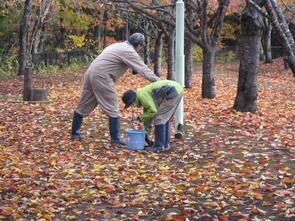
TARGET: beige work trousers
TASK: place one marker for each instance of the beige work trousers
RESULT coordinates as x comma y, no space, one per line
100,91
166,110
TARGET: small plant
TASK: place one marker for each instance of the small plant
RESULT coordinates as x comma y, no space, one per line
77,41
225,57
197,54
74,67
48,70
8,65
230,56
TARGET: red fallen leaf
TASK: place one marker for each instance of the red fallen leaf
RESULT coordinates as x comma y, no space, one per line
288,180
200,189
280,205
98,181
175,218
174,177
223,217
246,169
239,194
110,189
263,161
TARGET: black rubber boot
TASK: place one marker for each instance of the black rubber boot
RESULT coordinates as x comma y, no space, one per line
76,125
114,128
167,136
160,133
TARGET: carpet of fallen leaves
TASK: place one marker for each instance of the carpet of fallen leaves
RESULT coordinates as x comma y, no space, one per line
228,166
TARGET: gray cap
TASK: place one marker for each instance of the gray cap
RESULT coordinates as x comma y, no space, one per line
136,39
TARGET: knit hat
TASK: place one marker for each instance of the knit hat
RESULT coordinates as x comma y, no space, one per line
137,39
128,98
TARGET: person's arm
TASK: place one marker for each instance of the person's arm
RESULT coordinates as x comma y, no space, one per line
149,111
134,61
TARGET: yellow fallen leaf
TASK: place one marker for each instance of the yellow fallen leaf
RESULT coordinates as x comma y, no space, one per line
178,190
97,166
258,196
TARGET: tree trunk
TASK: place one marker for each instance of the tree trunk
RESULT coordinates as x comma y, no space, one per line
147,52
99,29
246,97
188,48
27,91
171,57
209,43
36,42
285,59
126,27
157,56
266,41
278,21
147,44
23,37
284,24
208,82
188,52
44,10
105,17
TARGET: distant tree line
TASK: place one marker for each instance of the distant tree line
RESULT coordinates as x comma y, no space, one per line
252,25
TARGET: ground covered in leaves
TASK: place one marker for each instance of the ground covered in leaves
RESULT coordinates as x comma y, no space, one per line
229,166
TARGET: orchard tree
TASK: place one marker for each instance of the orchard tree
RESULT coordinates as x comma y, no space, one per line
41,16
266,41
252,23
288,7
279,22
205,30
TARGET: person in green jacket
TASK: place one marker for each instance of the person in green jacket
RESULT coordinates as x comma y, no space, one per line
159,101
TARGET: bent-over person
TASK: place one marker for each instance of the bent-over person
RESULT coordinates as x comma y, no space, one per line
159,101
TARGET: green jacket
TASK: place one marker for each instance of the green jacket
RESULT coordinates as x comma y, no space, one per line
146,97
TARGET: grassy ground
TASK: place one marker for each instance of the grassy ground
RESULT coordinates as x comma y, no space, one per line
228,166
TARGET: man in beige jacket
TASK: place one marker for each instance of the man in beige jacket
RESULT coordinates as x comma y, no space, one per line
99,83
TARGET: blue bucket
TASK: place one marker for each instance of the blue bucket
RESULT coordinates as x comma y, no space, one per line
135,139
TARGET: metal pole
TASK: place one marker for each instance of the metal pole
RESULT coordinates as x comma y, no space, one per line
179,66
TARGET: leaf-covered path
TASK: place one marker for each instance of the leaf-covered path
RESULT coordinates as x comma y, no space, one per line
229,166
